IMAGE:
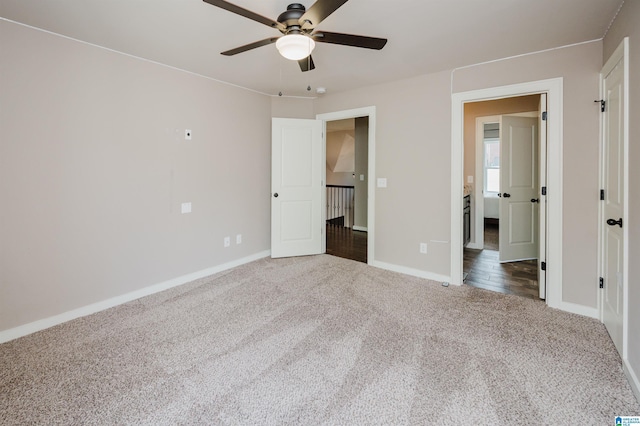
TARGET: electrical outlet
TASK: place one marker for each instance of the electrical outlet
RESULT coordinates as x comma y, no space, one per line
227,241
185,208
187,135
238,238
423,248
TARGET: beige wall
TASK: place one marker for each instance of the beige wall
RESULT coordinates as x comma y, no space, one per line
92,174
474,110
627,24
579,66
284,107
413,152
413,134
335,141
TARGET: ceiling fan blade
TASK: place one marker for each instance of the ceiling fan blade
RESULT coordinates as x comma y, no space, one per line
250,46
318,12
246,13
306,64
350,40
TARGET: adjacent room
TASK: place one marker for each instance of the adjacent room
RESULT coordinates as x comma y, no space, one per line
328,212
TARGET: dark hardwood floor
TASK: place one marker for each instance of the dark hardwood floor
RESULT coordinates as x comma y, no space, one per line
484,270
346,243
482,266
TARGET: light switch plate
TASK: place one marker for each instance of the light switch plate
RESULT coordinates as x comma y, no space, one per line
361,177
382,182
185,208
469,179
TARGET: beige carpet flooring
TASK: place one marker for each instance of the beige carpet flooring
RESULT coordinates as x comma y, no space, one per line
317,340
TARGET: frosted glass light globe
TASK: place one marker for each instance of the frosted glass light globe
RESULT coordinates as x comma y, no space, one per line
295,46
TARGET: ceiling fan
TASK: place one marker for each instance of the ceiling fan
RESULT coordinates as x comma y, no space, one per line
298,26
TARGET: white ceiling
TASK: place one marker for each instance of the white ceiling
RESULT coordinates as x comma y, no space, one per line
425,36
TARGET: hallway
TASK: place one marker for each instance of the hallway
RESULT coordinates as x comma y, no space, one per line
483,269
346,243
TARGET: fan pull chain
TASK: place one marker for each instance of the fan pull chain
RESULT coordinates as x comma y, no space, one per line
280,92
309,65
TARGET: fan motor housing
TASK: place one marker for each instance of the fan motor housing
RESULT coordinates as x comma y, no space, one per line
291,17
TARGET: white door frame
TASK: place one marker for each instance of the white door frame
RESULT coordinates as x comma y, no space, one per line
621,52
479,185
553,88
341,115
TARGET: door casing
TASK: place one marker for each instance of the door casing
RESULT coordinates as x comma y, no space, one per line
341,115
478,243
554,89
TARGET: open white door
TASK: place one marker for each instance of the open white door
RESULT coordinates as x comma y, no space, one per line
542,199
519,188
296,187
612,222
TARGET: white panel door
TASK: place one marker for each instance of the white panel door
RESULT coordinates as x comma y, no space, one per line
542,200
613,208
296,187
518,187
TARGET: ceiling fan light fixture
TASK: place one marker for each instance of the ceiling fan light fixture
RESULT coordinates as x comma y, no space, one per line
295,46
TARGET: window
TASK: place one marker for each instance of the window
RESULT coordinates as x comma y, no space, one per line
492,165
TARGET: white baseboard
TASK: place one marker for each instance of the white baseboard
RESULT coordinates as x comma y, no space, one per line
474,246
360,228
410,271
32,327
576,309
632,377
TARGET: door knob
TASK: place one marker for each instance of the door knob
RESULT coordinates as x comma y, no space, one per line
535,200
506,195
613,222
275,195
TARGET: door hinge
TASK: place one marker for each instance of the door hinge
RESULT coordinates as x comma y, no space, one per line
544,116
602,102
602,195
601,282
543,266
544,190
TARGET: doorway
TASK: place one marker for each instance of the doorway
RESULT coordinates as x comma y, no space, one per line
368,188
298,184
553,89
505,150
346,147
